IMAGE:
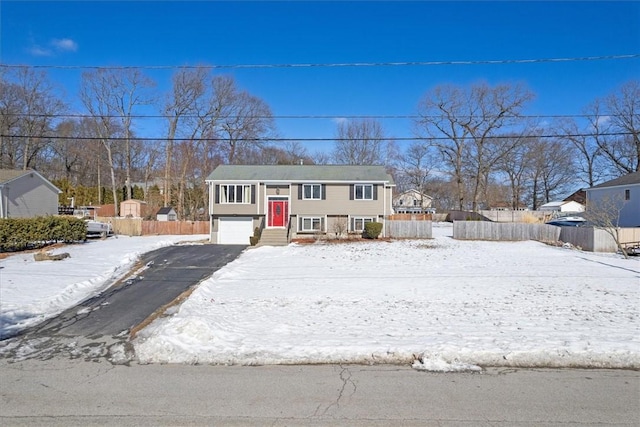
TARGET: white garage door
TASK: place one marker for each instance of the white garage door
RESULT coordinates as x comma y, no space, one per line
235,231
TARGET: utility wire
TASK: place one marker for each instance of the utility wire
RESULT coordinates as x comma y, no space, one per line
265,139
333,64
303,116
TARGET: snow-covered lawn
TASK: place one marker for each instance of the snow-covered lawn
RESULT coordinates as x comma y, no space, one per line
438,304
31,291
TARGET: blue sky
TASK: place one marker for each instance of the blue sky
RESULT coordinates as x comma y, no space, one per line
83,33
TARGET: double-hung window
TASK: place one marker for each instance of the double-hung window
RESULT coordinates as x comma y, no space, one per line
312,191
357,223
363,192
235,193
308,223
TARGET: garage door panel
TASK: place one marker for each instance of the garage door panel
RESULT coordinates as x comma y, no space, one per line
235,231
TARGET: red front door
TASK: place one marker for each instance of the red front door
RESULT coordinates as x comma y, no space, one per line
278,213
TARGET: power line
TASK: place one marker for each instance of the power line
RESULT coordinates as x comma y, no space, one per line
303,116
276,139
332,65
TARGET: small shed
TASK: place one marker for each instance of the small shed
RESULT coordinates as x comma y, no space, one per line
562,206
166,214
133,208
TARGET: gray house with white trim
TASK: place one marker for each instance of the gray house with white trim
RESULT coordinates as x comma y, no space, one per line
624,190
295,201
26,194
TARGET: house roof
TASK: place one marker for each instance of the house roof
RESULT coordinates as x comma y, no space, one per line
11,174
165,210
8,175
412,191
301,173
558,203
629,179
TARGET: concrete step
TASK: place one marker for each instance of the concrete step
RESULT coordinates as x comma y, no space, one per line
273,237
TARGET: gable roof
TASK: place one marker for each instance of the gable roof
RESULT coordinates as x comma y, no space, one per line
629,179
412,191
164,211
8,175
301,173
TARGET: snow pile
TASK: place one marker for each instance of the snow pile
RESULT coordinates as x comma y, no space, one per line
31,291
438,304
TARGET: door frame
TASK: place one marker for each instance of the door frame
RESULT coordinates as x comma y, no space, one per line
284,199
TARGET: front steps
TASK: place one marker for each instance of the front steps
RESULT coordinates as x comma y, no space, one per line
273,237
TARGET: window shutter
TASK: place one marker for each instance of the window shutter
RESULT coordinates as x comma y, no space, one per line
300,191
217,200
375,192
351,191
253,194
323,191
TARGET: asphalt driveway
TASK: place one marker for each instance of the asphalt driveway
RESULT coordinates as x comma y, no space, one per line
166,273
157,280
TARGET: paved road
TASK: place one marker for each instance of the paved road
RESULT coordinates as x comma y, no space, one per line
90,329
78,393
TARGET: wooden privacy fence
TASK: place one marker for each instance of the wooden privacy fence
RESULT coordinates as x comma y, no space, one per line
138,227
175,227
484,230
515,216
597,240
408,229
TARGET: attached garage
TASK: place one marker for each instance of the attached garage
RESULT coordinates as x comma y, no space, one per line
235,230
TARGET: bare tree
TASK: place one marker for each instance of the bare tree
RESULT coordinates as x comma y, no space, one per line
11,108
28,108
550,170
463,124
604,213
585,143
416,166
516,166
616,124
242,121
189,87
95,94
360,142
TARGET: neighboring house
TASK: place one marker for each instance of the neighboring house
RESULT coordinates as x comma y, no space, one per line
579,196
412,201
624,190
296,200
562,207
26,194
133,208
166,214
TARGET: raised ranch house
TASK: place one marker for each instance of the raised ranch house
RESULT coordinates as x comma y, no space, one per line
26,194
624,191
412,201
287,202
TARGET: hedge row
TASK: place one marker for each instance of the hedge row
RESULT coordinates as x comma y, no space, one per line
17,234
